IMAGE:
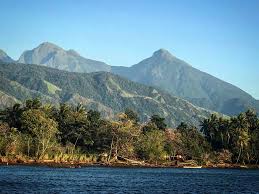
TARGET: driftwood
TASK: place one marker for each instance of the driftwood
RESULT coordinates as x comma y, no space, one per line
130,160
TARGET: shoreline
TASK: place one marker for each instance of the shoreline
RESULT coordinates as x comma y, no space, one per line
120,165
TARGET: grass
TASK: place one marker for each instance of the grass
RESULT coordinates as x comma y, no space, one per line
51,87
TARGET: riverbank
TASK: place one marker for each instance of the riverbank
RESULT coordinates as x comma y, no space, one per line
52,163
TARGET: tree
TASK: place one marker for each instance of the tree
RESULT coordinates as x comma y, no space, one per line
151,146
174,144
239,127
255,145
159,122
124,133
215,130
149,127
11,142
193,143
12,115
132,115
73,125
100,132
42,128
252,120
33,103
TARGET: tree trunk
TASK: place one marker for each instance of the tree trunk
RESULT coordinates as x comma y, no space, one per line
111,147
239,154
116,150
38,149
28,147
75,146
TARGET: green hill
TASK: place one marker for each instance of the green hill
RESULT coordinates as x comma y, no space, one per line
103,91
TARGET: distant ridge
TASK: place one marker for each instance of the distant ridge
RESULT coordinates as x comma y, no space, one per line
4,57
176,76
51,55
162,70
102,91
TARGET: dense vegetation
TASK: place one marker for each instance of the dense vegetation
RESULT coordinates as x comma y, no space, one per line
101,91
162,70
71,133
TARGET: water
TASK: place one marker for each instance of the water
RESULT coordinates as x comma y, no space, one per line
28,179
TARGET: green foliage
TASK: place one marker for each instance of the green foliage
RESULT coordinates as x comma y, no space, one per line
12,116
158,121
238,134
72,133
12,142
33,104
51,87
124,134
194,145
74,125
132,115
151,146
101,91
42,129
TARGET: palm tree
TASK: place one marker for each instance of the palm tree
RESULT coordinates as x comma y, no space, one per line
210,128
242,142
240,132
12,115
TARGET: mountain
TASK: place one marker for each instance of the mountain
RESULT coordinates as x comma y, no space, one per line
4,57
161,70
103,91
51,55
166,71
6,100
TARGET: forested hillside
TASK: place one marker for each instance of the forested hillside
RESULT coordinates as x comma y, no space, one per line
101,91
162,70
32,131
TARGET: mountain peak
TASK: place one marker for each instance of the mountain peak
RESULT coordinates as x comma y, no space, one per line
4,57
162,53
52,55
2,53
49,45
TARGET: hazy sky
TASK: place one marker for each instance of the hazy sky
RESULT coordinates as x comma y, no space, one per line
218,37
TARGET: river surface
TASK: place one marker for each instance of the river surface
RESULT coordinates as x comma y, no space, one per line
29,179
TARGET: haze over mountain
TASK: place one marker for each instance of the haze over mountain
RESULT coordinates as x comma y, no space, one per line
103,91
161,70
4,57
51,55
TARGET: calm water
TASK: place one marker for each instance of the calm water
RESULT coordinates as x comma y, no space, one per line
25,179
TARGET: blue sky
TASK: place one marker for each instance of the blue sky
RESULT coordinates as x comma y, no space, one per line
219,37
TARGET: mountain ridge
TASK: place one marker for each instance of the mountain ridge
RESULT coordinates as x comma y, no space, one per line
162,70
51,55
4,57
98,90
181,79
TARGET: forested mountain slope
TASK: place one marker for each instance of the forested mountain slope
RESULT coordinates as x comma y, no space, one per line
162,70
166,71
103,91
